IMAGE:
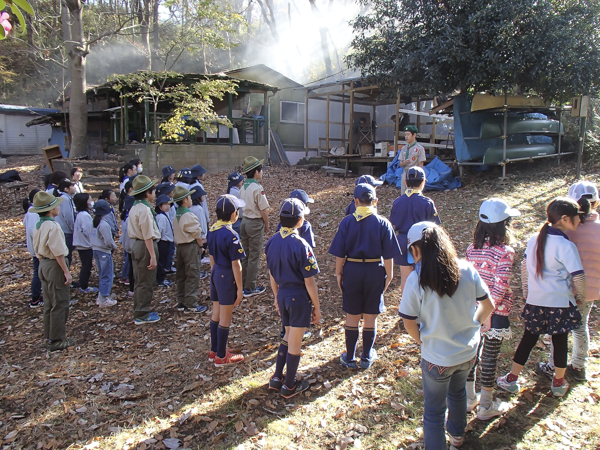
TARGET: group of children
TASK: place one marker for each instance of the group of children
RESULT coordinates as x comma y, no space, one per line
457,310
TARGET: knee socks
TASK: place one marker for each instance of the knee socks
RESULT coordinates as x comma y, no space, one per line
351,340
222,336
292,363
281,360
213,335
369,335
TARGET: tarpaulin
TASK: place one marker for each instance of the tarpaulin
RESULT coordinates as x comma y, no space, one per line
439,175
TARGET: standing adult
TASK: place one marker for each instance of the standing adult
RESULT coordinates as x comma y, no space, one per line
412,154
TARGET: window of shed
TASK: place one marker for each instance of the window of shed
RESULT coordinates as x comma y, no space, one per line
292,112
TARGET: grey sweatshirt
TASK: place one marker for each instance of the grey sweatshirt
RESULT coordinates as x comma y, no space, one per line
101,237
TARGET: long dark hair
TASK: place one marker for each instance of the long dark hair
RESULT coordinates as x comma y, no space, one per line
105,194
585,205
97,220
439,262
65,183
27,202
498,233
123,171
556,209
81,202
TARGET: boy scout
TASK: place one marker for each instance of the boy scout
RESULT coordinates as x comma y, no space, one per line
368,179
50,248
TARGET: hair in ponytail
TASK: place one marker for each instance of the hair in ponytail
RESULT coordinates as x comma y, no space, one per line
585,205
96,221
556,209
498,233
123,171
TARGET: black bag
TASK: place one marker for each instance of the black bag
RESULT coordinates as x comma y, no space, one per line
10,176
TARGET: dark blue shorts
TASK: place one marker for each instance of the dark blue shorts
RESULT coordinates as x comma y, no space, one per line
403,242
222,285
363,285
295,307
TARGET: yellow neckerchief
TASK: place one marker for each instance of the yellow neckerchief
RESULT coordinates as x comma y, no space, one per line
220,224
285,232
364,211
410,192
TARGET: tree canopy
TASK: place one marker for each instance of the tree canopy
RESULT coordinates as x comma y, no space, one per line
439,46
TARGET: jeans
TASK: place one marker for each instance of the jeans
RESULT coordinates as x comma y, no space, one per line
36,284
104,263
86,257
126,265
444,387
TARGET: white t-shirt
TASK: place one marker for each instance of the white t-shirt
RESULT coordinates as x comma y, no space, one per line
561,262
449,332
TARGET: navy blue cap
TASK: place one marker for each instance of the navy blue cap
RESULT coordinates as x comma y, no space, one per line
234,178
168,170
368,179
415,173
229,203
197,192
101,208
128,202
164,188
302,196
365,191
185,172
292,207
197,170
164,198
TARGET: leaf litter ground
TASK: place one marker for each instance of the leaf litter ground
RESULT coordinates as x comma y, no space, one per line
152,387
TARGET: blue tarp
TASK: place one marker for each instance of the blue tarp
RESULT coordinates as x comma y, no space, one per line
439,175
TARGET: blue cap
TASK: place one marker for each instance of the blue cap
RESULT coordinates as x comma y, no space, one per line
229,203
197,170
197,192
101,208
164,198
415,173
164,188
185,172
303,197
168,170
368,179
292,207
234,178
365,191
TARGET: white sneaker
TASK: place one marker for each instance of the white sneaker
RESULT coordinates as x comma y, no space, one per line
472,402
205,260
106,301
497,408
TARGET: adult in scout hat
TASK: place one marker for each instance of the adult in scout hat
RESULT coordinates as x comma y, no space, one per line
412,154
254,224
142,228
50,248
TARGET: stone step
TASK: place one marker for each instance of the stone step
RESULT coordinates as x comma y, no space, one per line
100,179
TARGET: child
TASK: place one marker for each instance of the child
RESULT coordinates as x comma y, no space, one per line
255,224
143,229
82,240
137,163
166,238
30,220
305,231
550,270
103,245
51,181
492,257
167,189
125,204
198,196
112,199
411,155
292,269
368,179
50,248
187,235
168,173
127,244
66,215
198,172
226,291
235,181
364,247
185,178
126,172
443,293
408,209
76,174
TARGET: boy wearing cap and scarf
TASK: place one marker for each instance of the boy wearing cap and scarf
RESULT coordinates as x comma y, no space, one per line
198,172
235,181
292,269
187,235
412,154
226,290
254,224
51,250
368,179
364,247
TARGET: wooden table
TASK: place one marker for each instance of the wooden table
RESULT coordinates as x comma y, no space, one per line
8,190
358,158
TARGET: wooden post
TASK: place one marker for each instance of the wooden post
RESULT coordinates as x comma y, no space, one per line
351,140
343,118
418,116
306,125
122,130
432,138
397,124
373,130
327,125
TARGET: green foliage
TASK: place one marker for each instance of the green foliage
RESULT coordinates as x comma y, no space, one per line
438,46
15,7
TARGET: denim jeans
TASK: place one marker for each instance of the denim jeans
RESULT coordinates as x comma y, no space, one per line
104,264
444,387
126,265
36,283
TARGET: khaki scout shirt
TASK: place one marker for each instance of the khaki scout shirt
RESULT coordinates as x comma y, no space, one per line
186,228
141,223
49,240
253,194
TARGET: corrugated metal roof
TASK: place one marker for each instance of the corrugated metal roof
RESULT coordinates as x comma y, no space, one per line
17,109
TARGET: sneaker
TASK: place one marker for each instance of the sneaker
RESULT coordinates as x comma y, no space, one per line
74,285
497,408
545,369
275,383
124,281
88,290
164,284
307,335
298,388
130,294
513,387
203,274
574,372
456,441
230,358
365,363
198,309
205,260
348,364
73,301
107,302
61,345
171,271
36,303
211,356
252,292
152,317
181,307
560,391
472,402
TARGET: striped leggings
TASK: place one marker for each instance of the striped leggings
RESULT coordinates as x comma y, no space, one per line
489,359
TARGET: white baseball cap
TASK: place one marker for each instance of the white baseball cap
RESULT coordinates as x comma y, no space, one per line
415,234
581,188
495,210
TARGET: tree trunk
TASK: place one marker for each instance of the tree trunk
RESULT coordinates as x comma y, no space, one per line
324,39
155,36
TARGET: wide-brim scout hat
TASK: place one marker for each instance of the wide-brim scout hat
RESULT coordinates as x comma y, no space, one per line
179,194
168,170
197,192
495,210
197,170
164,198
142,183
250,162
229,203
101,208
234,178
164,188
43,201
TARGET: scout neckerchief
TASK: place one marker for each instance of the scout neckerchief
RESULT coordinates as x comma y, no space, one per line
285,232
410,192
248,182
144,202
363,212
408,150
181,210
220,224
43,219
